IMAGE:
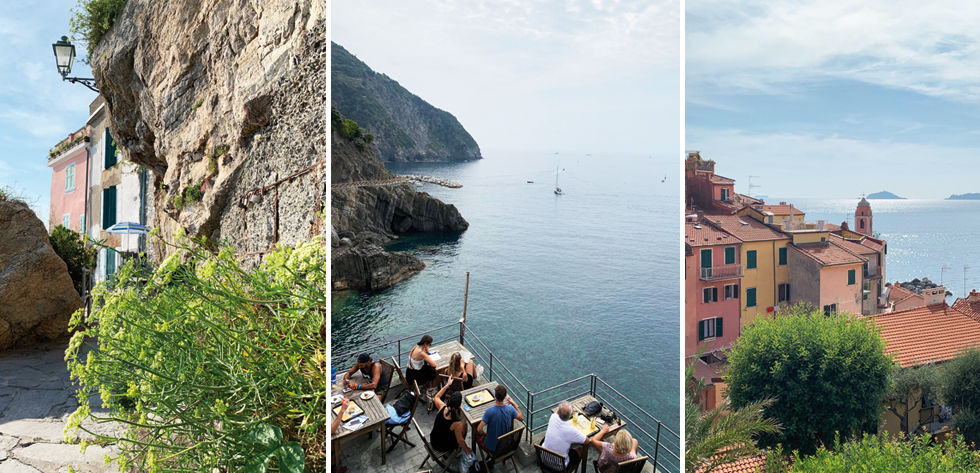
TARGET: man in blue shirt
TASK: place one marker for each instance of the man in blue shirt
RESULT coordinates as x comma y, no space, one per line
498,419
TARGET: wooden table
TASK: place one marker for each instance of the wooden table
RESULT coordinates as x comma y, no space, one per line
577,406
373,409
475,414
445,351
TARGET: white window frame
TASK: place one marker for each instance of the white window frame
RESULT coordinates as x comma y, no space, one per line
66,220
70,178
731,291
713,297
710,328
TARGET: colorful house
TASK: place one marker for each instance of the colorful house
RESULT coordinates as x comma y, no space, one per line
824,274
68,161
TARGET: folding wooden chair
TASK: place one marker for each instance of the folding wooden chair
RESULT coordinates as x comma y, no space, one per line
506,449
443,459
552,461
629,466
401,376
387,372
402,435
457,386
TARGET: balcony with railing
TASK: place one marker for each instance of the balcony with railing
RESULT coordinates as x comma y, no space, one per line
872,271
716,273
699,165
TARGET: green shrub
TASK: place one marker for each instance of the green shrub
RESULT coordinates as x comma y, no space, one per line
959,391
210,367
349,129
70,246
882,454
91,19
197,105
193,193
179,202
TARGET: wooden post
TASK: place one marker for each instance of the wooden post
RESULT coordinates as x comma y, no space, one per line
462,322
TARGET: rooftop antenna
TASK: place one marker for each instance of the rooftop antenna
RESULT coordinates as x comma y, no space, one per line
965,267
753,186
942,273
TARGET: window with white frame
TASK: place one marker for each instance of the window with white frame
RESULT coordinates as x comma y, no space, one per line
66,220
731,291
710,294
70,178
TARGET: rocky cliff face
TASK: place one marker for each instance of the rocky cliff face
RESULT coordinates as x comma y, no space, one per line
405,127
223,102
37,296
364,218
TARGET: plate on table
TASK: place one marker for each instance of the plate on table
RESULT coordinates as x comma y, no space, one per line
367,395
353,410
336,399
480,398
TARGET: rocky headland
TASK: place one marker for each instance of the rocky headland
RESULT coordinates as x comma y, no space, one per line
884,195
405,127
971,196
223,102
363,219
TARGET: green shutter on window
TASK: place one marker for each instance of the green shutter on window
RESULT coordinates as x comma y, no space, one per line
705,258
700,330
718,331
108,207
782,256
750,297
750,259
730,255
850,276
110,263
110,150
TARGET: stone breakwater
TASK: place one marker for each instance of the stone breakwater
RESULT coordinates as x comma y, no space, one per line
433,180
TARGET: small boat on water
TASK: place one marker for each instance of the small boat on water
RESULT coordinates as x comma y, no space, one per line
530,182
558,190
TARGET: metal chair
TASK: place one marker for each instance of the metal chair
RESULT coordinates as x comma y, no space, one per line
629,466
402,435
443,459
387,372
552,461
506,449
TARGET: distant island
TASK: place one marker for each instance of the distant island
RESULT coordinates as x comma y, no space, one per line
884,195
964,197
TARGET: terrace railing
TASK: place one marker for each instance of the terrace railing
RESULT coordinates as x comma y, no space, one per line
727,271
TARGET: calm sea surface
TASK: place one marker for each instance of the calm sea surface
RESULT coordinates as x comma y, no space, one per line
560,286
922,235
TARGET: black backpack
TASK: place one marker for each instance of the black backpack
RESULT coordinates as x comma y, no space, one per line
404,403
592,408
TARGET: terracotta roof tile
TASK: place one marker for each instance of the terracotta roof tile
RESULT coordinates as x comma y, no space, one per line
747,464
898,294
746,228
716,179
827,253
930,333
970,309
850,245
873,243
782,209
831,227
704,234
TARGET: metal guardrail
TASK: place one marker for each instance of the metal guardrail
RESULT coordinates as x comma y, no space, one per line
727,271
657,441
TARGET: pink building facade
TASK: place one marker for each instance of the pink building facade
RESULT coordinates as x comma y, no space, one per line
68,163
714,270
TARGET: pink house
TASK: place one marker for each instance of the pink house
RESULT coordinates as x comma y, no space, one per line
69,167
713,270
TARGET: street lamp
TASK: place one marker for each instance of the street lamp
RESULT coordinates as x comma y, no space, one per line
64,55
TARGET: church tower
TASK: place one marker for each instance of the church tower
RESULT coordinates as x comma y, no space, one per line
862,217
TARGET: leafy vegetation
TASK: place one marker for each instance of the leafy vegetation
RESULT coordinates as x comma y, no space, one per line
882,454
193,193
197,105
209,366
179,202
722,435
826,374
70,246
91,19
907,389
349,129
961,383
64,145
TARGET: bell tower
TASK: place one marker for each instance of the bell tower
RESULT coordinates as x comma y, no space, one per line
862,217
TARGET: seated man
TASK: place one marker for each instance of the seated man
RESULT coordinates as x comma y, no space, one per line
562,434
498,419
371,370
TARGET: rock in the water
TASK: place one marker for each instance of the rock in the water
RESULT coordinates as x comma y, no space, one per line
37,297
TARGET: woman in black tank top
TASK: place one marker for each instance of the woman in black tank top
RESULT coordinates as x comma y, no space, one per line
448,430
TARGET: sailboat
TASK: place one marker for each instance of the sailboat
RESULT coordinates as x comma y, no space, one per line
665,178
557,189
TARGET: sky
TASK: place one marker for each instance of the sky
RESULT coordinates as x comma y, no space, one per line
826,99
576,76
37,109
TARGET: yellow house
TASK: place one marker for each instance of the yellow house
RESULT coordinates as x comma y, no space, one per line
765,279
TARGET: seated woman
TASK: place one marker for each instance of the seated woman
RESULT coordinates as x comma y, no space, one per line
421,367
464,371
622,449
449,430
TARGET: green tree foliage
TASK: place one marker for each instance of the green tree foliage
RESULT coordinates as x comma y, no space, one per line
70,246
209,366
91,19
721,435
961,385
826,374
907,389
882,454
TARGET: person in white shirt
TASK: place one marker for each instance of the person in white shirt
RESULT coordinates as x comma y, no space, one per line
562,434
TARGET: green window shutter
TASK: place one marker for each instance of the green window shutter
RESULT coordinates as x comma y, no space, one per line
787,292
110,263
750,297
705,258
700,330
718,332
108,207
750,257
850,276
730,255
782,256
110,150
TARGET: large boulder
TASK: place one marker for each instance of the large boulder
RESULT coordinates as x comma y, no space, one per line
37,297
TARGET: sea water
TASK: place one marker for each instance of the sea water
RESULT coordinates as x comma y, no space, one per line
560,286
923,236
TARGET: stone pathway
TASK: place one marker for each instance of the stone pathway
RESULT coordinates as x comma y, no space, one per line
36,399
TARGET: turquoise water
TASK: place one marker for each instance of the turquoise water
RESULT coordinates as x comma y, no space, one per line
922,235
560,286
